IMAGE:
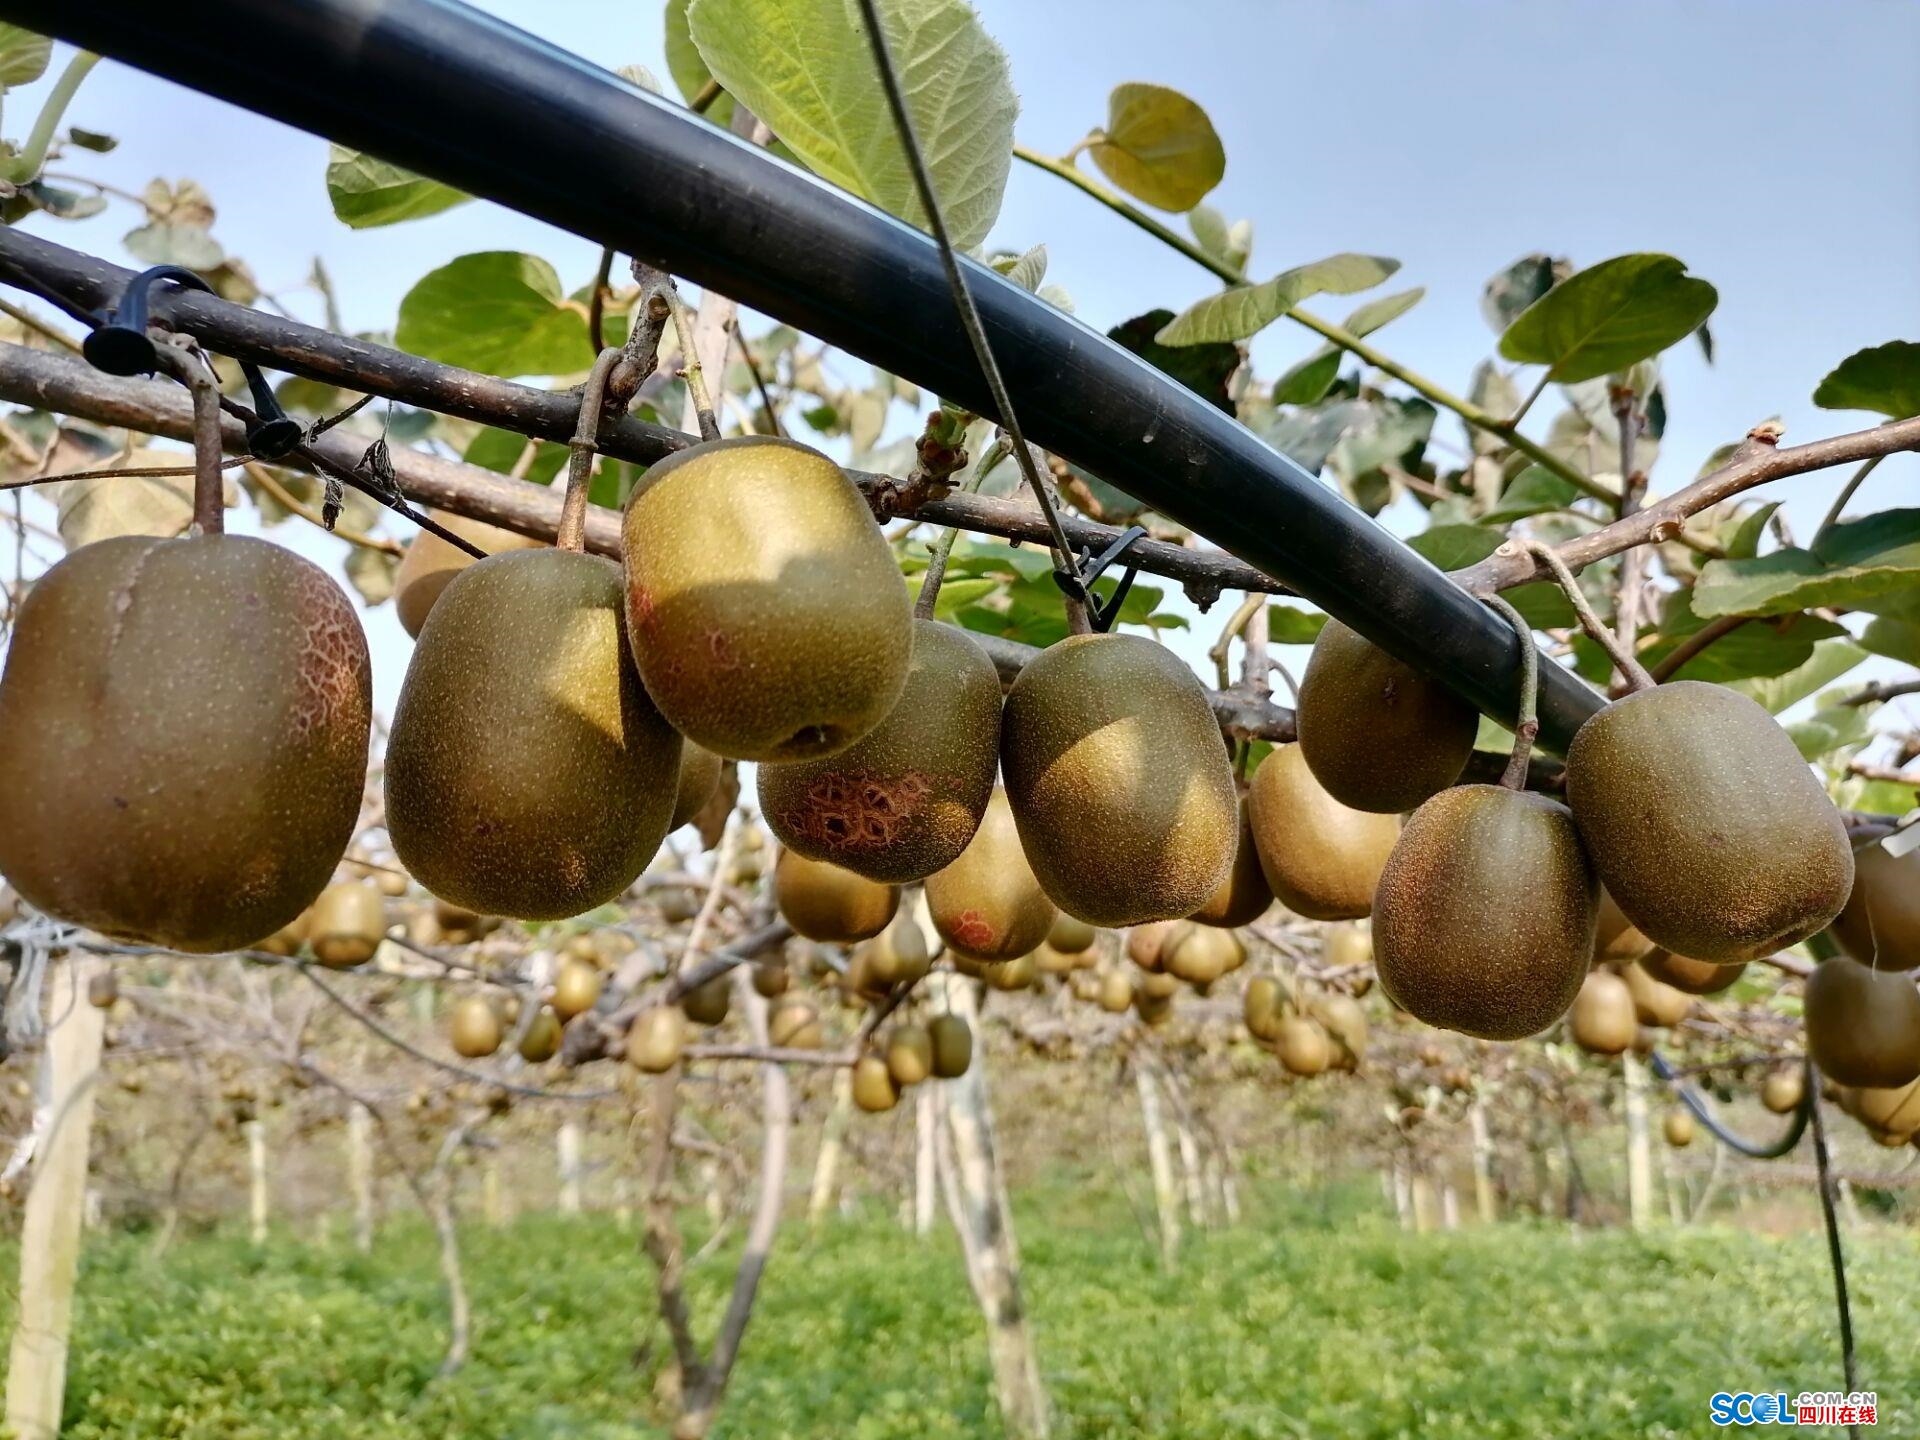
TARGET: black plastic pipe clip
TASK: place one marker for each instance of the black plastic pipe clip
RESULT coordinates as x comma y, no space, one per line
1077,584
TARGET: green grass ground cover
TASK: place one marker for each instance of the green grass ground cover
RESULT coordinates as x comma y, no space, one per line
1312,1321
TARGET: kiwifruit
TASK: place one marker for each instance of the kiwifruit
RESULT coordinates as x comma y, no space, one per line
183,739
528,774
1783,1089
1261,1007
1678,1127
1119,781
1614,937
708,1004
699,782
902,801
1084,985
346,924
1694,977
1484,918
1153,1009
1244,895
391,882
1345,946
771,978
430,562
576,988
1323,859
898,955
678,905
1049,961
1655,1002
656,1038
1863,1025
1880,924
1071,935
764,604
1144,943
1603,1021
1705,823
1200,954
1116,991
458,924
952,1041
874,1088
103,989
1379,735
1344,1021
1018,973
288,939
1156,985
909,1055
542,1040
794,1024
475,1027
987,904
828,903
1891,1111
1302,1046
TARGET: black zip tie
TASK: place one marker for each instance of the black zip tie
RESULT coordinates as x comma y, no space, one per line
1077,584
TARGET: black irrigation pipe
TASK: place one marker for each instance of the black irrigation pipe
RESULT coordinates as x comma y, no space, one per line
1691,1098
452,93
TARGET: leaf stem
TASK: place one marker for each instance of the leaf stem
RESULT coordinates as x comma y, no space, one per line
1546,378
1832,517
1333,334
1630,668
1526,719
26,165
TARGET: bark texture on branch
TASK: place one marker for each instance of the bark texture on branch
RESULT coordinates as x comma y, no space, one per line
281,344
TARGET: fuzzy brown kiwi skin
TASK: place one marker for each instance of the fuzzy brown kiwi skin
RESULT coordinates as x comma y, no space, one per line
1705,823
1880,925
764,605
1244,896
1118,779
904,800
1863,1026
1378,734
528,774
698,782
183,739
828,903
1321,858
988,905
1483,922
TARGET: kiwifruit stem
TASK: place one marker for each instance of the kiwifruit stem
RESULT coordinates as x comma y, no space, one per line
690,364
571,533
209,490
1631,669
1526,720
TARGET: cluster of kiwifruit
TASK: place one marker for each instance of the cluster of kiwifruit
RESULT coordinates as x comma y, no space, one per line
1687,802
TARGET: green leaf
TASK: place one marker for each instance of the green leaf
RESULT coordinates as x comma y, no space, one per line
1026,270
1307,383
1203,369
1894,638
1534,490
1229,244
23,56
498,311
1246,310
1289,626
371,572
94,140
1830,660
1454,547
367,192
104,508
168,242
1159,147
1758,648
1857,565
1829,729
1518,286
500,451
1743,541
1609,317
805,67
1884,379
1875,797
690,73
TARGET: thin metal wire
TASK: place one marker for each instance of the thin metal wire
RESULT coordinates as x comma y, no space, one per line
1836,1256
962,296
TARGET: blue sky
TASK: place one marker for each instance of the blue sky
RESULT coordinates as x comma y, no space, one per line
1774,147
